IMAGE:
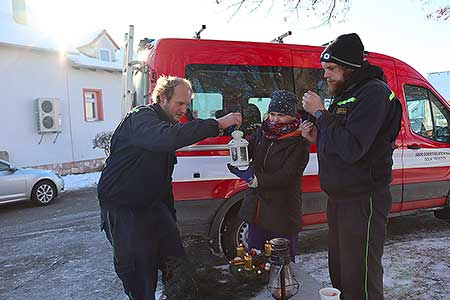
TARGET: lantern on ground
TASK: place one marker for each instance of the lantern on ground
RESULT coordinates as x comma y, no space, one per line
238,150
282,284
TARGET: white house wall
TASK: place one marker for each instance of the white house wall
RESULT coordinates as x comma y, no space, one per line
82,131
25,76
29,74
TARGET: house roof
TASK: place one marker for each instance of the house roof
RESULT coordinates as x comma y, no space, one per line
439,73
84,61
95,36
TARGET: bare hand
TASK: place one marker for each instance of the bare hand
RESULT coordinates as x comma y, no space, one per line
312,102
309,131
230,120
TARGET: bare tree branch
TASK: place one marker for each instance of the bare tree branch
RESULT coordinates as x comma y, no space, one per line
442,13
239,4
436,10
326,10
333,6
260,2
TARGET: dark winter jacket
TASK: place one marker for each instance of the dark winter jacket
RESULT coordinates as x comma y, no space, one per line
138,173
279,167
357,135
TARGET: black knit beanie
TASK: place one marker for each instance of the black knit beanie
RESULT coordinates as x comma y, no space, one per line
346,50
283,102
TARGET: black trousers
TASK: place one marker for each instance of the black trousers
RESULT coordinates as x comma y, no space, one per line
143,240
357,231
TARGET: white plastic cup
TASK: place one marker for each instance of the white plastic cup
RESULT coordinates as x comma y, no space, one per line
329,294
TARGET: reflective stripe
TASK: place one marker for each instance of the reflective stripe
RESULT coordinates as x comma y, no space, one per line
366,277
345,62
352,99
391,96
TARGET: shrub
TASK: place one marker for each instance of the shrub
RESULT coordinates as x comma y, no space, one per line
102,140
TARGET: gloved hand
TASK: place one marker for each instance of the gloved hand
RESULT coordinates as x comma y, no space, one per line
246,175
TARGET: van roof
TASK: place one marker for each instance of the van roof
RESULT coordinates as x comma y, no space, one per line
168,44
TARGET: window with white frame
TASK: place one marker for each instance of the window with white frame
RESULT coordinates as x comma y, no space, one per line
104,54
93,106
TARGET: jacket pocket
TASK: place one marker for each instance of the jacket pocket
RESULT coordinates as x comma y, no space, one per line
337,177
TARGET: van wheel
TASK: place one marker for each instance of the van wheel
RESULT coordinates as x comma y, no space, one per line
43,193
443,214
234,232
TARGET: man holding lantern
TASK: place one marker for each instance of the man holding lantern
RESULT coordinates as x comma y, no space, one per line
135,188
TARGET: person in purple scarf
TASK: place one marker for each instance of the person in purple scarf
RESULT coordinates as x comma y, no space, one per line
279,154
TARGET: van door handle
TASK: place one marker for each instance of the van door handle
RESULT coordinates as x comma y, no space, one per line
413,146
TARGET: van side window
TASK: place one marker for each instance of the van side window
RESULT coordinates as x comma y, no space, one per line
428,117
205,105
311,79
263,106
220,89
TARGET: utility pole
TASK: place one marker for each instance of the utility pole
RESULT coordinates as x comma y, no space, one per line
127,72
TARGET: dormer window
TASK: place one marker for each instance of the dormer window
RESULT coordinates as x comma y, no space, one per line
105,54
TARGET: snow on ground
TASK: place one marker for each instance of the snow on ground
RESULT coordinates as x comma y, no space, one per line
415,267
80,181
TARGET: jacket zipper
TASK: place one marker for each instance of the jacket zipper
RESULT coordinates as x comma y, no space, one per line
267,153
258,208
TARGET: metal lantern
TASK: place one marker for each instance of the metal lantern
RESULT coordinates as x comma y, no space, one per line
282,284
238,150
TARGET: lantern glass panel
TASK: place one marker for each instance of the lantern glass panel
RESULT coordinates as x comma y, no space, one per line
244,153
291,285
238,149
234,154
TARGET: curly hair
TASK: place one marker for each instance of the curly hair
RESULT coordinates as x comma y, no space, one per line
165,86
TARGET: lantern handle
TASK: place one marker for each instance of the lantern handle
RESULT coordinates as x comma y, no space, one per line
237,134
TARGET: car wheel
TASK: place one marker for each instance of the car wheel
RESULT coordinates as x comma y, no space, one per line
234,232
443,214
43,193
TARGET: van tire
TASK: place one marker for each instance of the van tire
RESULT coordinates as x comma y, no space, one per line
443,214
234,231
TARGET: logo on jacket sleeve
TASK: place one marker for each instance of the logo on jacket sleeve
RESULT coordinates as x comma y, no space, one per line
341,111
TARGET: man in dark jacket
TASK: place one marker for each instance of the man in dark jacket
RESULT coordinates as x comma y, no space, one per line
135,188
355,141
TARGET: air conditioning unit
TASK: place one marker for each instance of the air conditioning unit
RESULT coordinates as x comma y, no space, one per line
49,115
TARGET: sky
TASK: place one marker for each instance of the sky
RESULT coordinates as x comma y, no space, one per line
397,28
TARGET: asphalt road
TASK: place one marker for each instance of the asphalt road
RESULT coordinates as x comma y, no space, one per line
58,252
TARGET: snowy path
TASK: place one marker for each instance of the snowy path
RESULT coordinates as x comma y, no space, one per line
417,264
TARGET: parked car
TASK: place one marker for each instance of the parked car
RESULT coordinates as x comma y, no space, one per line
39,186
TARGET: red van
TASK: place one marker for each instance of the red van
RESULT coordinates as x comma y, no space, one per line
228,76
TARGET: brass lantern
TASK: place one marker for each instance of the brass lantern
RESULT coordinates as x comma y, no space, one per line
282,283
238,150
